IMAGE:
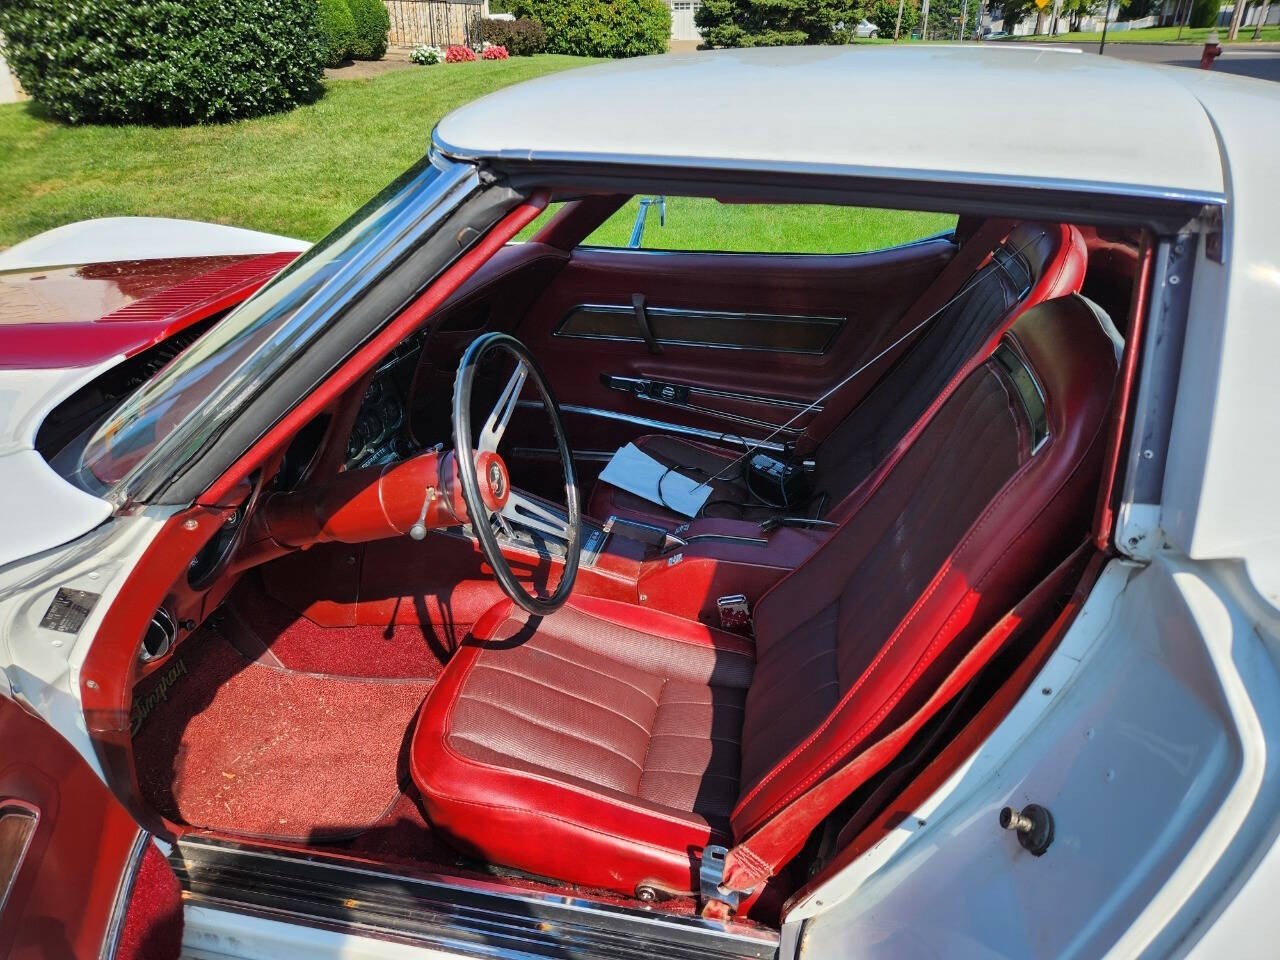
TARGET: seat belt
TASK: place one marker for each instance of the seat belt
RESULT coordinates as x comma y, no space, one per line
750,864
969,259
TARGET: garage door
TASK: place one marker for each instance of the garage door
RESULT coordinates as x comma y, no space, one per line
682,27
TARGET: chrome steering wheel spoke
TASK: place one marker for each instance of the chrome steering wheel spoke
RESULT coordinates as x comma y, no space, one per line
496,425
529,513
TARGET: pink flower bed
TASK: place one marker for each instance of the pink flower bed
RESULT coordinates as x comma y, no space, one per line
459,54
495,51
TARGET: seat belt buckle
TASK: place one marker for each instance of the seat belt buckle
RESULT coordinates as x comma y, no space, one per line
735,615
710,878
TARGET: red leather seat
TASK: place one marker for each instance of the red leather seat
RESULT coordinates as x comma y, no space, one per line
856,431
608,744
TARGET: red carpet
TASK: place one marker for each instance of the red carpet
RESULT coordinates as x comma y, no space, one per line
262,628
260,750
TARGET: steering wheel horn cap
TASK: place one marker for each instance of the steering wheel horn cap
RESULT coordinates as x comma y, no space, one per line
493,480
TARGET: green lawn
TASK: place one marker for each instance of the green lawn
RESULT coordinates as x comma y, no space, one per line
302,173
1154,35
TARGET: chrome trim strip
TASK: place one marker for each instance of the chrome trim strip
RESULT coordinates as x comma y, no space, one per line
724,394
747,443
457,913
546,453
904,175
124,892
612,309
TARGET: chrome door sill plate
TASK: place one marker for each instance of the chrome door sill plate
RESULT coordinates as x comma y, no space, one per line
456,914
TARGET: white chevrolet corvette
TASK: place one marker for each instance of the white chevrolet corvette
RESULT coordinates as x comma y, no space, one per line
470,584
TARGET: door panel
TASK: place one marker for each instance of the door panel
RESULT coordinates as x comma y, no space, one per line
728,343
68,851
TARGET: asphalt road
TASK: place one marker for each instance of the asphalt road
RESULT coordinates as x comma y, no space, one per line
1261,61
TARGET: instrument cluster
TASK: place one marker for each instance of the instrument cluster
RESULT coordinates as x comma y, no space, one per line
381,432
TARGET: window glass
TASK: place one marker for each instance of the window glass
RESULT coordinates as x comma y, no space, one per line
701,223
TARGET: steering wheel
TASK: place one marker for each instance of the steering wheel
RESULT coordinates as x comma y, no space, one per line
513,506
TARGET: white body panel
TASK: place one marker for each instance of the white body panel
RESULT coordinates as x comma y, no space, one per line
139,238
39,509
1149,736
1223,473
912,112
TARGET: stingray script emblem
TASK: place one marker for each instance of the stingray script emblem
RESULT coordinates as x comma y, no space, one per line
158,695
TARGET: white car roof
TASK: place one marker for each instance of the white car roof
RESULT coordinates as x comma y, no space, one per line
994,113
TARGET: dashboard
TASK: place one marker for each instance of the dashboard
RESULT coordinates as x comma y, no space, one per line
381,432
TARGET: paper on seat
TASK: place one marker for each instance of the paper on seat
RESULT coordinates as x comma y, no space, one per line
633,470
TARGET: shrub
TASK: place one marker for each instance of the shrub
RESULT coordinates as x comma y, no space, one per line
426,54
600,28
522,38
338,28
372,23
458,54
1204,13
494,51
163,61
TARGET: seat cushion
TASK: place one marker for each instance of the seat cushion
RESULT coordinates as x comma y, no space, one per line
598,745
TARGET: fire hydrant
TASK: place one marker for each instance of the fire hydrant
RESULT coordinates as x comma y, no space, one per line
1212,50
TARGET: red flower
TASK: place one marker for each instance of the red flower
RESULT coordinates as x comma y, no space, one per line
495,51
459,54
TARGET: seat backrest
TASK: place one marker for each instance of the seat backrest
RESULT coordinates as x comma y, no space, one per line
1034,262
994,488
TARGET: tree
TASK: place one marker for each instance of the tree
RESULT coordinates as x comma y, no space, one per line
944,19
884,14
776,23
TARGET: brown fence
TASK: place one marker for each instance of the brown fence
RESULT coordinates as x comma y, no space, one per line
437,22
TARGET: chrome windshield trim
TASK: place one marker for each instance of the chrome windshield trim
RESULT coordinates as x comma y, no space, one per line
391,230
747,443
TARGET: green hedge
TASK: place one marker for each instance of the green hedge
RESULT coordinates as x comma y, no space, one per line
522,38
372,23
338,28
600,28
163,61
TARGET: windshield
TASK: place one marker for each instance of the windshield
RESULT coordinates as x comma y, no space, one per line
186,403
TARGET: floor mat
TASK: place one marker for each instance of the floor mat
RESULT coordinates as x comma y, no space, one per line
253,749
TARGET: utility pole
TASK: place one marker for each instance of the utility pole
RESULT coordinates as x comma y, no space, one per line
924,20
1106,19
898,29
964,18
1236,16
1262,18
1187,18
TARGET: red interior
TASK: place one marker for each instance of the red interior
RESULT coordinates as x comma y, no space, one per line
603,747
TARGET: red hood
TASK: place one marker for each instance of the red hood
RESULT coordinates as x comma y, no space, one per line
82,315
